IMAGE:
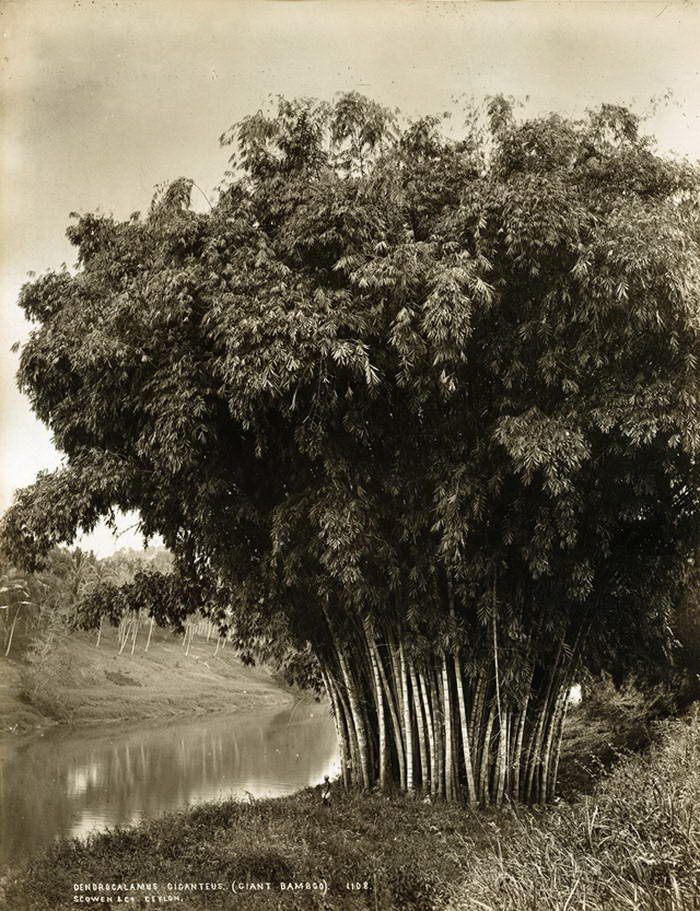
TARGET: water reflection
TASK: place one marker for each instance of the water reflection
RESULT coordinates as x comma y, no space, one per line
73,782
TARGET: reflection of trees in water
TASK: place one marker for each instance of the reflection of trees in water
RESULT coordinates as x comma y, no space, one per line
66,783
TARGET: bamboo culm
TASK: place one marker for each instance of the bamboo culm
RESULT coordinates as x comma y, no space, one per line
419,721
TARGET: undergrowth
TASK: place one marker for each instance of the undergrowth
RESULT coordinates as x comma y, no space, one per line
608,725
634,844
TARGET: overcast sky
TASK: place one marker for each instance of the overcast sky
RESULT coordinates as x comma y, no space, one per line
103,100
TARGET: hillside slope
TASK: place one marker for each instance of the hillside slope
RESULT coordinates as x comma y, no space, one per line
79,683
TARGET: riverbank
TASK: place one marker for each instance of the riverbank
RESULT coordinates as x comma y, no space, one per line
633,843
79,683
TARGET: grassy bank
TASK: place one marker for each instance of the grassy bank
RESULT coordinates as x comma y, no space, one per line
634,843
79,683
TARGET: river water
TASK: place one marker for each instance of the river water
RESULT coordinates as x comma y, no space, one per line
69,782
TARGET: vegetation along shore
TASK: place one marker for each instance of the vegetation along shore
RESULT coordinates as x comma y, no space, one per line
633,842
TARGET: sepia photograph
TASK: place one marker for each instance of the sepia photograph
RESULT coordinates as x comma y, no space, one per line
349,440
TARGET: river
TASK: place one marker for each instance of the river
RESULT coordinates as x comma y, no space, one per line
70,782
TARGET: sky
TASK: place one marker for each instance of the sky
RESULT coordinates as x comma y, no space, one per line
103,100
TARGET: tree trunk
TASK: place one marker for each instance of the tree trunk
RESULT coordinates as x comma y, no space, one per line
150,633
12,631
125,635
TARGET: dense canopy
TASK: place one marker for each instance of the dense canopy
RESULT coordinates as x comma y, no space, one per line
422,407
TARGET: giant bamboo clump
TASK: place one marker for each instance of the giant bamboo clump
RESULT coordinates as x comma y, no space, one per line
476,721
415,413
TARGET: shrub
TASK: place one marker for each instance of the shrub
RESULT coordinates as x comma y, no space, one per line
610,722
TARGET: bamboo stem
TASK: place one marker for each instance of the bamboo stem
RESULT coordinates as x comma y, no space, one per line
501,768
379,699
476,717
438,722
430,725
449,747
340,727
394,715
358,721
407,725
466,749
422,727
484,792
